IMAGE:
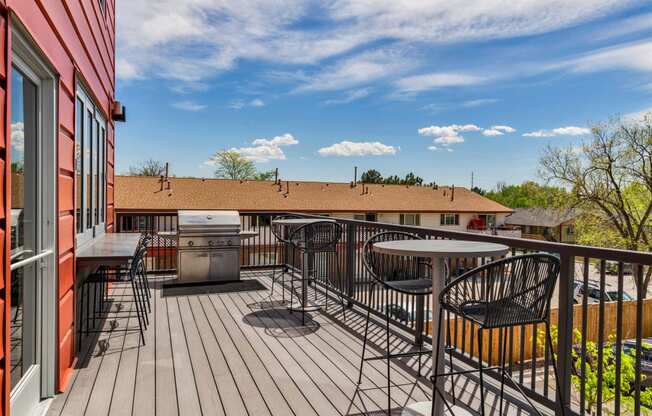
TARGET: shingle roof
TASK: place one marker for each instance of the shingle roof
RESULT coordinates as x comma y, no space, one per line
145,194
540,217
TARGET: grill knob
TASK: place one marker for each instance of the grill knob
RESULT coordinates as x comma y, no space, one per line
210,243
191,243
229,243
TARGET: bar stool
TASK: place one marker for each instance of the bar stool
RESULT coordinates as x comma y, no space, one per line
319,237
282,235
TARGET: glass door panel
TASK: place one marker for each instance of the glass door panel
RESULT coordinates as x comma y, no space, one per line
24,224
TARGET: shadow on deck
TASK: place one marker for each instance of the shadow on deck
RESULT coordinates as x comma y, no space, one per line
236,351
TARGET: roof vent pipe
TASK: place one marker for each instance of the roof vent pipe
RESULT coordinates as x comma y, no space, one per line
452,192
287,185
162,180
355,176
276,175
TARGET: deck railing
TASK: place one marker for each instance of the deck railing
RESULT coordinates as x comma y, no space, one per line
603,334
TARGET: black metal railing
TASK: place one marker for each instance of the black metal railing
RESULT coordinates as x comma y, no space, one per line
601,314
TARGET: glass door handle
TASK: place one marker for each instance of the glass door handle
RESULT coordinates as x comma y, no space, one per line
30,260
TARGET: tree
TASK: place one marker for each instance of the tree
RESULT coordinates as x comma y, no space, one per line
529,194
149,167
232,165
590,370
371,176
611,181
265,175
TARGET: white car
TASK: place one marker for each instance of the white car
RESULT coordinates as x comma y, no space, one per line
593,294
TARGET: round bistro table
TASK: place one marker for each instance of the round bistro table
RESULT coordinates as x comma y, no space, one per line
437,251
289,225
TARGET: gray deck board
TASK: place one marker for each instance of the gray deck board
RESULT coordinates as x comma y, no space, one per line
236,354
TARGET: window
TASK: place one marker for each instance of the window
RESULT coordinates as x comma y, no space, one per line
410,219
368,216
450,219
489,220
90,153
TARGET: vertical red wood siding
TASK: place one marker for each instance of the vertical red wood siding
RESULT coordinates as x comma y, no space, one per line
77,38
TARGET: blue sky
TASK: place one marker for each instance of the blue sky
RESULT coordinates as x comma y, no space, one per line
313,88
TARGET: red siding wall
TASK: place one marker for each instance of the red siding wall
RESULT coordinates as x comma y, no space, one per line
78,39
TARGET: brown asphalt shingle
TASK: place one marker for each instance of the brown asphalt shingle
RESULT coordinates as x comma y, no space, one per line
145,194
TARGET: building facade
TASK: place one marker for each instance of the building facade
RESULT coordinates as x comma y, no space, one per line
57,93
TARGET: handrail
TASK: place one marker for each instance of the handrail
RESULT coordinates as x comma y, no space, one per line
30,260
611,254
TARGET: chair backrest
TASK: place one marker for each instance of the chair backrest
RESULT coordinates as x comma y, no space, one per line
387,268
279,230
317,237
527,280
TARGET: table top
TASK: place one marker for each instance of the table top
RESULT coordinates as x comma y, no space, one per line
301,221
109,247
441,248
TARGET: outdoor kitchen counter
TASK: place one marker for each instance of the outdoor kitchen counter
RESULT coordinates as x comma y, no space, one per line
110,249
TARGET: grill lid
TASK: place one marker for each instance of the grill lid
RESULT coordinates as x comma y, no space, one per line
206,221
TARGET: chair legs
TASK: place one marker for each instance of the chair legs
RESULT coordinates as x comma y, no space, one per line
481,368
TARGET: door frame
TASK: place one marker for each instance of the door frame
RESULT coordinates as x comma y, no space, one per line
25,56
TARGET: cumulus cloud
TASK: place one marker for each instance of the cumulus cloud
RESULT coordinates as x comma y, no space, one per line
18,136
560,131
505,129
264,150
492,132
349,148
448,135
188,105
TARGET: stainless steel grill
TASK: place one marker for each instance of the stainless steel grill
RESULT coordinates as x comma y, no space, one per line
209,246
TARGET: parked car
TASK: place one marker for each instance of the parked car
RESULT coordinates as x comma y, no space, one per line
404,312
593,293
629,347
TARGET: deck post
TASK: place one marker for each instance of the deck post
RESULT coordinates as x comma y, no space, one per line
565,331
350,262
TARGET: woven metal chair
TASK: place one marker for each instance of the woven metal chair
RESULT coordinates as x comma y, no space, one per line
505,293
404,274
319,237
282,234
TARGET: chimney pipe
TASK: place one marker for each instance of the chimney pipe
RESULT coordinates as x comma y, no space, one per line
287,184
276,175
452,192
162,181
167,171
355,176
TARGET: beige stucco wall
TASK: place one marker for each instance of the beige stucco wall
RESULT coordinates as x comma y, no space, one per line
427,219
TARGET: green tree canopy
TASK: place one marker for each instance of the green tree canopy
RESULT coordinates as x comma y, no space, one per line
232,165
529,194
374,176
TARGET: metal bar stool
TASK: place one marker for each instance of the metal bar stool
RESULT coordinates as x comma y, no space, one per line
403,274
281,234
502,294
319,237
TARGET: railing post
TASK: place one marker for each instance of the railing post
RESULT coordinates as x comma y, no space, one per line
350,262
565,331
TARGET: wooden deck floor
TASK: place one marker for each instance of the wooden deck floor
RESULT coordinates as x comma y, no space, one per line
239,353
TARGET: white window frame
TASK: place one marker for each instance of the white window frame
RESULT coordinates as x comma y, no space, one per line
98,127
449,219
416,219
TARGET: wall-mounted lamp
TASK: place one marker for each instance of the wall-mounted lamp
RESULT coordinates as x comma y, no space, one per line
118,112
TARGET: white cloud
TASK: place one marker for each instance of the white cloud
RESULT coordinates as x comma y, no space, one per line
350,96
18,136
348,148
191,40
264,150
479,102
419,83
283,140
492,132
188,105
360,69
448,135
636,56
505,129
560,131
240,104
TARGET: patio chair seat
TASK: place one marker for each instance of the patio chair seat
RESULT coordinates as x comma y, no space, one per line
411,287
498,314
